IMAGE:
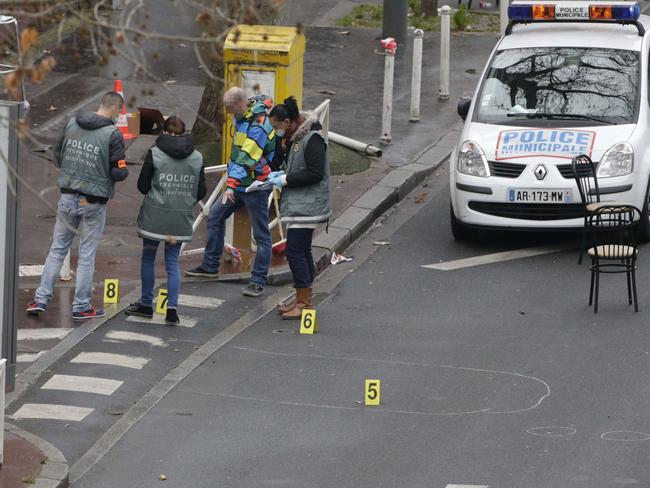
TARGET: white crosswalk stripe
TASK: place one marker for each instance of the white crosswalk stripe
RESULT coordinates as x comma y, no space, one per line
52,412
110,359
29,357
27,270
82,384
43,334
126,336
199,302
159,319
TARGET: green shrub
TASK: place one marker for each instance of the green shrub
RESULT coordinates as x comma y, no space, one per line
461,18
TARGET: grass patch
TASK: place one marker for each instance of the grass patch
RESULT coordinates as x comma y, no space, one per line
344,161
371,16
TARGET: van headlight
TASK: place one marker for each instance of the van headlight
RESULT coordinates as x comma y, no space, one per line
472,160
617,161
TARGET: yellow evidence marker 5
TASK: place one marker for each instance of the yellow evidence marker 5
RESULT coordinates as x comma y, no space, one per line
372,392
308,322
161,302
111,291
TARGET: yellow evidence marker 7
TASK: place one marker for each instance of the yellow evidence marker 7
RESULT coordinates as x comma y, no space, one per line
111,291
372,392
308,322
161,302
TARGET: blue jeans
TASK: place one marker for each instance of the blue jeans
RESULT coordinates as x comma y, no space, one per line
299,256
74,216
256,204
148,272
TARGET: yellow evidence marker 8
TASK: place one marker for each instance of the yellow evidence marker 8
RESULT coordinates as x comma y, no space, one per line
372,392
308,322
161,302
111,291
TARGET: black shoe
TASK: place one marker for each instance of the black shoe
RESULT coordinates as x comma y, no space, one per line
253,290
203,273
172,317
91,313
138,310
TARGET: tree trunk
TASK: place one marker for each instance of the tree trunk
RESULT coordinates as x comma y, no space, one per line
429,8
209,119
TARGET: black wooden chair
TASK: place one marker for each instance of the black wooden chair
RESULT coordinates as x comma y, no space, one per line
613,230
584,172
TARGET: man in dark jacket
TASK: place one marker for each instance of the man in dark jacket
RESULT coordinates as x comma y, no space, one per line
91,155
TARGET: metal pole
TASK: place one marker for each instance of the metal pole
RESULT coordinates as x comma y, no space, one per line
416,78
503,15
445,34
9,114
390,47
395,21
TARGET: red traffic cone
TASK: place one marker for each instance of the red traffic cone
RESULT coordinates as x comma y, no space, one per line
122,121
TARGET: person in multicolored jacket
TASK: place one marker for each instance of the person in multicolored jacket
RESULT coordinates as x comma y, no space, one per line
252,150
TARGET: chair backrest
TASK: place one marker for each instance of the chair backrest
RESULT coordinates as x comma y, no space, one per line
584,172
614,231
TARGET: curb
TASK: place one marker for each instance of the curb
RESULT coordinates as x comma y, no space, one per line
55,471
393,188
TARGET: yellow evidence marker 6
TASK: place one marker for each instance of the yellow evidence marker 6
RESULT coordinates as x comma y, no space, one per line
111,291
372,392
308,322
161,302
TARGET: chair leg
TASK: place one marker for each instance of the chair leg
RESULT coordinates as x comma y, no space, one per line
629,285
636,301
583,243
597,289
591,285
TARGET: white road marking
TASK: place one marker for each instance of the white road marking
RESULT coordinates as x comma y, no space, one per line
467,486
52,412
199,302
26,270
83,384
159,319
28,357
497,257
125,336
110,359
42,334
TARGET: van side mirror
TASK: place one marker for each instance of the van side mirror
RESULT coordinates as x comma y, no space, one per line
463,108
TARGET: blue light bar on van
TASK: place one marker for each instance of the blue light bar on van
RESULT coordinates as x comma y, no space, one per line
521,12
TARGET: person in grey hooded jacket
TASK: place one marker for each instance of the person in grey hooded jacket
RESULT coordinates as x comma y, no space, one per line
91,155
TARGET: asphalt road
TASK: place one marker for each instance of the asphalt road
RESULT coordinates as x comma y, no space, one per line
497,375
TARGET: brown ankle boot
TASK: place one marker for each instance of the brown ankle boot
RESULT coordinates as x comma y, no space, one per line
303,300
285,307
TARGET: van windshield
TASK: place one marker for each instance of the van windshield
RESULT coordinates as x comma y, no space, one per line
550,86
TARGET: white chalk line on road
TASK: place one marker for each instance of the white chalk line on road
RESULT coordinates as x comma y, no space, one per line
42,334
498,257
52,412
110,359
82,384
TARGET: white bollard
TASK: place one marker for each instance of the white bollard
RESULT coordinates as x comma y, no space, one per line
503,15
66,274
390,46
416,78
445,35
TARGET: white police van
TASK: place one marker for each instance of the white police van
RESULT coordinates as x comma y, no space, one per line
567,78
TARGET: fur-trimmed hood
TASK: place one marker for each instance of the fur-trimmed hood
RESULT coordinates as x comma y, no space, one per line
311,123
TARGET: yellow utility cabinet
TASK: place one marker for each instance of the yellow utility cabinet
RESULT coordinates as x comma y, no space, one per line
263,60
